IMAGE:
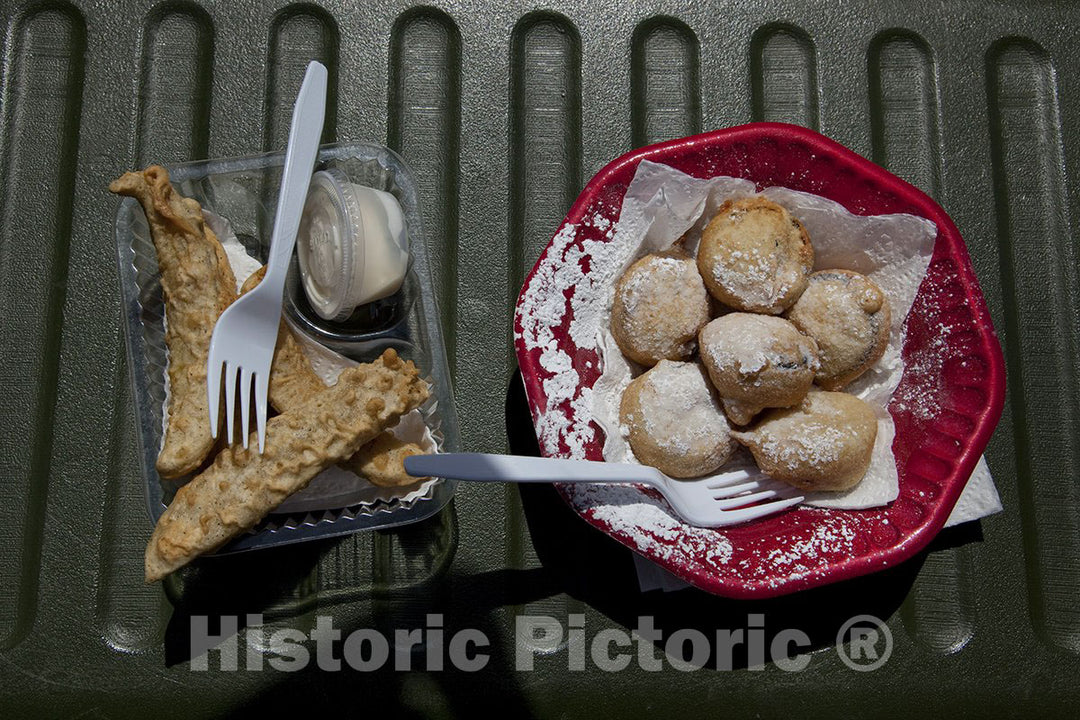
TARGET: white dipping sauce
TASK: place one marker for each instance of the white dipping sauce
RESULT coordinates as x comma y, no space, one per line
352,244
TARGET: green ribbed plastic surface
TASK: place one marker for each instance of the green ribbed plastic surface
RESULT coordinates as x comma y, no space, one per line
504,112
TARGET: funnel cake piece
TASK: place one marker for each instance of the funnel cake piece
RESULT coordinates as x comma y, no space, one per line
291,377
198,284
824,443
754,256
849,317
660,304
242,486
674,420
382,461
756,362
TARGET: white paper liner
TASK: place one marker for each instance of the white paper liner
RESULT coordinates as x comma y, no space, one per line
662,204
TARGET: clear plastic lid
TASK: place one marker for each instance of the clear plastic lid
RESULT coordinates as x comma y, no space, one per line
330,245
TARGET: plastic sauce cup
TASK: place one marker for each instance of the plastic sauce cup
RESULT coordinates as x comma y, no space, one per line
352,244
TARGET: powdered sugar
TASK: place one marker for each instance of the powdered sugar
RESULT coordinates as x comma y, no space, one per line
649,524
561,287
922,398
678,411
741,347
835,537
816,445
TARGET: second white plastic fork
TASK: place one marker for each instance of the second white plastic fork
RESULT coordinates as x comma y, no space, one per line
246,333
725,499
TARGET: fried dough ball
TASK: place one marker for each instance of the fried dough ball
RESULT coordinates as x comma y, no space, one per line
660,304
824,443
848,316
674,421
757,362
754,256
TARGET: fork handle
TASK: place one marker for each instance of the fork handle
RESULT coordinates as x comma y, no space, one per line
300,155
480,467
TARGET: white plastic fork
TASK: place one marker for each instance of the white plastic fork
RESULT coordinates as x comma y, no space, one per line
245,334
726,499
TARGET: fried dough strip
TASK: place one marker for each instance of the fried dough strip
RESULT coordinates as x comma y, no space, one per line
242,486
198,284
291,377
381,461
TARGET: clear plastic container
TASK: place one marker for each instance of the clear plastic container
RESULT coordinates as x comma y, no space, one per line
352,246
244,191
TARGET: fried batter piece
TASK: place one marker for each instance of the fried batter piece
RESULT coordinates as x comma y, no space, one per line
198,284
291,377
754,256
674,421
849,317
382,461
242,486
660,305
826,442
757,361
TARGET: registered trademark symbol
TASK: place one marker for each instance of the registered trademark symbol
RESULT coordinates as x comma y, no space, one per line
864,643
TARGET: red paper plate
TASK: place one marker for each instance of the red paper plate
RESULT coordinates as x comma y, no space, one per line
945,408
